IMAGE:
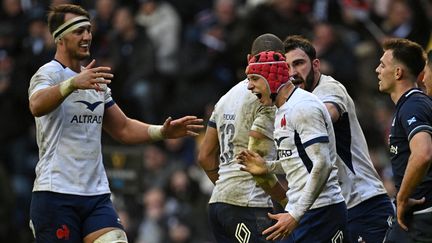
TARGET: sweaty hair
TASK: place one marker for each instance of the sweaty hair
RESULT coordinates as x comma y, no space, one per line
57,14
408,53
267,42
297,41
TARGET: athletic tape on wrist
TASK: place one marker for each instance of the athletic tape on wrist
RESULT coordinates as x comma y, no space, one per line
155,132
66,87
70,26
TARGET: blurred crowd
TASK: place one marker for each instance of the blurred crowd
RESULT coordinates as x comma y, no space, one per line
174,58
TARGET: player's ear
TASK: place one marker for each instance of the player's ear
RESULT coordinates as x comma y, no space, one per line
398,73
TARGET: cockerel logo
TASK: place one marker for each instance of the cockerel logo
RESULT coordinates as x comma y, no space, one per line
283,122
63,233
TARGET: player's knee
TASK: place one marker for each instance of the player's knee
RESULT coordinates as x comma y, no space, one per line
113,236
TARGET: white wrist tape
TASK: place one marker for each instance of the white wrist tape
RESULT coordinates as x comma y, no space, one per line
66,87
155,132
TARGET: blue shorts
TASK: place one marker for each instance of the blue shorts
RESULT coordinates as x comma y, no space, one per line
235,224
322,225
370,220
419,229
60,217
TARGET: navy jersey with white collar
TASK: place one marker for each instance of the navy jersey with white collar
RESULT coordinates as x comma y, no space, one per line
413,114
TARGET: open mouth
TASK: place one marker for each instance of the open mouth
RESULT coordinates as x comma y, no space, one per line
297,80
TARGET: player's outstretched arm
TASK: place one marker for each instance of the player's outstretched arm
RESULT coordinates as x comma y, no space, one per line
185,126
131,131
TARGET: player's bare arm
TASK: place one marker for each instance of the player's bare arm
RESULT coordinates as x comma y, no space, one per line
46,100
131,131
208,157
418,164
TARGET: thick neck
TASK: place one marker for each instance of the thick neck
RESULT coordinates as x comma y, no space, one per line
65,59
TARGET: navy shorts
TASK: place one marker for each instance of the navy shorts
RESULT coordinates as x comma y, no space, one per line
57,217
322,225
233,224
419,230
369,221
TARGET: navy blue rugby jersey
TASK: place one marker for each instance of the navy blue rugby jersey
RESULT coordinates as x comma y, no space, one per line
413,114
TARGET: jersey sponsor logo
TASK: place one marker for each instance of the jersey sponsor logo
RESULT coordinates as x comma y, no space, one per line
63,233
90,106
86,119
283,122
284,153
230,117
411,121
393,149
242,233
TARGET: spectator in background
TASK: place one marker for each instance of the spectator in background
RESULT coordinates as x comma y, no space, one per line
336,58
206,65
406,19
102,27
162,24
153,225
279,17
132,60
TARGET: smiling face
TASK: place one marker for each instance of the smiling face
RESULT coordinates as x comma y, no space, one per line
259,87
386,72
301,69
77,43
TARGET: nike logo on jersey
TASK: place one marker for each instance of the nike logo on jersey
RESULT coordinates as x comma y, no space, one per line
279,140
90,106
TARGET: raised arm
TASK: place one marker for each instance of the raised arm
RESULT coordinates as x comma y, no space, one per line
46,100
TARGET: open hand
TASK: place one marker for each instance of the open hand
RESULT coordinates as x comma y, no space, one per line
252,162
185,126
284,226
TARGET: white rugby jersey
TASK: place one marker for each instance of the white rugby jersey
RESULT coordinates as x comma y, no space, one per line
357,176
69,137
235,114
301,121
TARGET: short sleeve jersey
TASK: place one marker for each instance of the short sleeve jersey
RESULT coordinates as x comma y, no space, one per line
69,137
413,115
302,121
357,176
234,115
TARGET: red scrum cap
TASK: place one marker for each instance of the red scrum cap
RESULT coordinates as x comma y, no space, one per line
271,66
